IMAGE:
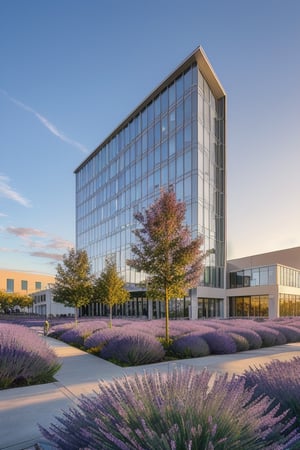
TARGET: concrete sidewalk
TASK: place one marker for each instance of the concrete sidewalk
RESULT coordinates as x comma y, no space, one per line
22,409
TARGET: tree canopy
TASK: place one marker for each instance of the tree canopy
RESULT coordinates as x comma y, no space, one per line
110,288
165,251
9,300
74,282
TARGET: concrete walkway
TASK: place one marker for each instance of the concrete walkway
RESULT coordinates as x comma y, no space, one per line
22,409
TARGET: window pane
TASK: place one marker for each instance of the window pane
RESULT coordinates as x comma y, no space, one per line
24,285
255,277
9,285
164,101
179,87
263,273
172,94
187,80
179,141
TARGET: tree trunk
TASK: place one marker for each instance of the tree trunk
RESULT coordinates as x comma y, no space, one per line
167,316
110,316
76,315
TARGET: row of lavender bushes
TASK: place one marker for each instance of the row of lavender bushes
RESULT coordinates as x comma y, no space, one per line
186,409
25,357
142,342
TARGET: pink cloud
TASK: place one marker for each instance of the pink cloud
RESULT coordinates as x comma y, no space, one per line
54,256
25,232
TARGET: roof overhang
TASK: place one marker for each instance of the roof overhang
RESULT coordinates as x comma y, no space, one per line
205,68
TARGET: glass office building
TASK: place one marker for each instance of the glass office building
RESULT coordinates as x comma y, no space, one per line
175,139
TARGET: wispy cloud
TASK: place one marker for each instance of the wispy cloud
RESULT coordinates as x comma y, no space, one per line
8,192
55,256
52,128
34,238
8,250
60,243
25,232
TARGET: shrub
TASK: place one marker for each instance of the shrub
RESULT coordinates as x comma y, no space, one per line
292,334
73,337
190,346
96,341
152,327
220,342
58,330
254,340
180,327
76,335
279,380
25,357
181,409
269,336
241,342
133,350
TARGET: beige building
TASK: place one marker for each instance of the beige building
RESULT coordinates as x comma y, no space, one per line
21,282
265,285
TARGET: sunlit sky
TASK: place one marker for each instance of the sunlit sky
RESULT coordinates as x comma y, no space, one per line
72,70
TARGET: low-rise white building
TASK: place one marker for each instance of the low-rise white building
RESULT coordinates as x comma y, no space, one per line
44,305
265,285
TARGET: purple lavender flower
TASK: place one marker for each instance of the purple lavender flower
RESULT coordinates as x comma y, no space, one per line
253,338
279,380
25,357
78,333
242,344
292,334
181,409
220,342
133,350
190,346
96,341
269,336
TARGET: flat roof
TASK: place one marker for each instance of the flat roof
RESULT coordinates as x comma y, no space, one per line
208,73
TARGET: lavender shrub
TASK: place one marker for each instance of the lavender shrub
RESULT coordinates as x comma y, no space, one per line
181,327
96,341
190,346
25,357
220,342
181,409
76,335
279,380
292,334
269,336
133,350
253,339
151,327
57,330
242,345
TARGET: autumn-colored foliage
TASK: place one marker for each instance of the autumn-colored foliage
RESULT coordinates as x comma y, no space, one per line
166,252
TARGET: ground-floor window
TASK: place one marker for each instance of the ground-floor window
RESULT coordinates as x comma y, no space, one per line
179,308
209,307
289,305
249,306
138,306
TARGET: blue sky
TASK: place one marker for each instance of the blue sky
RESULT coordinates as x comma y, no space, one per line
72,70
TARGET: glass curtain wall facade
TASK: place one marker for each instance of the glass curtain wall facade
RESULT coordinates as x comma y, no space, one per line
174,140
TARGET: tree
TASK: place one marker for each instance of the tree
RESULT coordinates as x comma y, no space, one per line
10,300
21,300
73,282
165,251
109,288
